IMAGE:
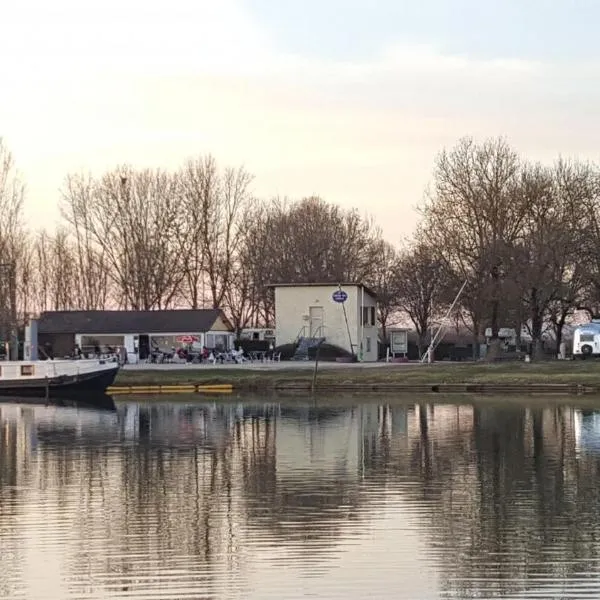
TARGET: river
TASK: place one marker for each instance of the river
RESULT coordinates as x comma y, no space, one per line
294,499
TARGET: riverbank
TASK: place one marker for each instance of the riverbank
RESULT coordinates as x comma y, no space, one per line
547,377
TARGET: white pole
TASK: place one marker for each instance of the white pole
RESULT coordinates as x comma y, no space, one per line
432,344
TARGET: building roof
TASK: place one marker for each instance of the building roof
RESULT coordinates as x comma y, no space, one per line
102,322
326,284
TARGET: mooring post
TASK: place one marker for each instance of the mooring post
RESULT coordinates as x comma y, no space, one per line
314,379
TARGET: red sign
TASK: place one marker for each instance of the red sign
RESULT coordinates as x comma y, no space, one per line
187,339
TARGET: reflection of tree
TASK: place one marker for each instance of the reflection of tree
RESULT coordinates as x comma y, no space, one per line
196,483
507,498
10,557
501,493
8,456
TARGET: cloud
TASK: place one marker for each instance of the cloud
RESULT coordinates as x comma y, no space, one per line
125,36
92,84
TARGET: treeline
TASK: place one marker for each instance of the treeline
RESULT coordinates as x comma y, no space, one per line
525,238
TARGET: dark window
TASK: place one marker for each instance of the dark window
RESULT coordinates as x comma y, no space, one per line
368,316
27,369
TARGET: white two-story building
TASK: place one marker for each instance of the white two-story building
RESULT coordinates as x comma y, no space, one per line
344,314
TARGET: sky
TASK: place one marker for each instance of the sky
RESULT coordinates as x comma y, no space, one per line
348,100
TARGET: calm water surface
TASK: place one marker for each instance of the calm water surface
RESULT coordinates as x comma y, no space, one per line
279,501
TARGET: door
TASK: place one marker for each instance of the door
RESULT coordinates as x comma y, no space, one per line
144,346
315,314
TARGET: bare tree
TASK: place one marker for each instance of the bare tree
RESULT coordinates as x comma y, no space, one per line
200,187
420,279
589,247
42,259
577,186
63,272
249,298
472,217
26,280
93,281
384,281
240,300
12,247
256,253
214,205
547,253
312,240
57,278
133,219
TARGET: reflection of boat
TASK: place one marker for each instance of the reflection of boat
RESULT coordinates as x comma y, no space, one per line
99,401
56,378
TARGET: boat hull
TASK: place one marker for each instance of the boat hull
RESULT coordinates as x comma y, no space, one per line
60,386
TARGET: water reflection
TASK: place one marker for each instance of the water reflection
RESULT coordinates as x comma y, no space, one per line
265,500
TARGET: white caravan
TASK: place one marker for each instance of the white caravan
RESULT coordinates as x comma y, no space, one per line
586,340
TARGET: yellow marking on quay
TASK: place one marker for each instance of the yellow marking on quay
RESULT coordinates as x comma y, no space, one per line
225,388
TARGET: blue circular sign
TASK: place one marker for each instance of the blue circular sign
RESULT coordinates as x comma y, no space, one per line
339,296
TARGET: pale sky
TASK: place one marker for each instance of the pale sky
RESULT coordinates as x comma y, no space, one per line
345,99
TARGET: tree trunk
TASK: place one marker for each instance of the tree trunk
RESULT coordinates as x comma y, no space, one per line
475,345
384,331
537,322
518,340
494,345
421,343
537,350
476,338
558,329
493,350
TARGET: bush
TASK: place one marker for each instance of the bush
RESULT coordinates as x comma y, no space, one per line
287,351
327,352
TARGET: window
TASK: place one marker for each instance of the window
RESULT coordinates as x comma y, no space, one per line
27,369
368,344
586,337
368,316
217,341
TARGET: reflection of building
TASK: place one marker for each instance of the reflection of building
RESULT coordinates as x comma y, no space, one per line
481,500
138,331
324,448
315,311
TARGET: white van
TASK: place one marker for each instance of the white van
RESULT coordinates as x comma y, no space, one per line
586,340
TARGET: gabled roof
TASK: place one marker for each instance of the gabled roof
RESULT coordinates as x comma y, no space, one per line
326,284
129,321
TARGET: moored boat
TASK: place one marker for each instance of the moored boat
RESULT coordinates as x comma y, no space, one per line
56,378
